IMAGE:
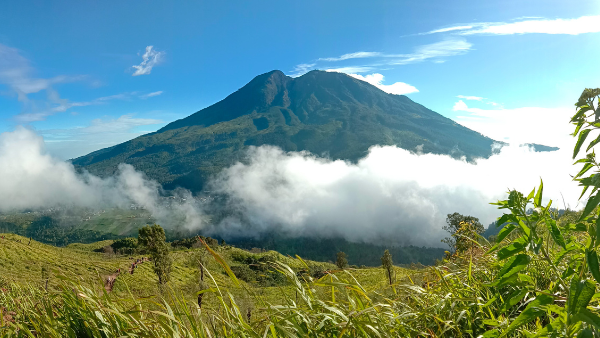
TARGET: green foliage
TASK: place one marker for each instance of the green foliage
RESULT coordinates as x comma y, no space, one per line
194,242
454,222
324,249
153,240
341,260
125,246
388,266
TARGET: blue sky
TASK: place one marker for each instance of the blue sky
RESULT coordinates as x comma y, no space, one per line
67,68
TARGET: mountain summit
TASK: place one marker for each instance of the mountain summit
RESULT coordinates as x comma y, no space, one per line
326,113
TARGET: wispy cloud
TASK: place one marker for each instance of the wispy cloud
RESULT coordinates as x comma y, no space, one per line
436,52
62,105
145,96
376,79
302,69
357,55
150,58
351,69
442,49
18,75
100,133
581,25
466,97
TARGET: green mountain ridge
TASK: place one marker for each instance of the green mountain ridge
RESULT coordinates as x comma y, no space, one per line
328,114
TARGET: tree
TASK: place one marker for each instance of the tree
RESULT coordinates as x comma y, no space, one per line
388,265
341,260
453,225
153,239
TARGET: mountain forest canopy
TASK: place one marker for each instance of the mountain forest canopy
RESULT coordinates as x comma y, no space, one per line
325,113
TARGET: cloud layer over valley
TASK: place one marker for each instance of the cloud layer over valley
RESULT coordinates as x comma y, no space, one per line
392,196
33,179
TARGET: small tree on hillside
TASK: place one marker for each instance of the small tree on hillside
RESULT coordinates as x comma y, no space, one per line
453,225
153,239
341,260
388,265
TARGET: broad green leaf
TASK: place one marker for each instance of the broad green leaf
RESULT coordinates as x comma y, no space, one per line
537,201
580,294
583,191
505,219
556,234
513,299
582,136
588,289
587,316
576,227
514,265
585,333
554,327
514,248
585,168
593,143
592,260
501,235
531,194
525,228
533,310
598,231
582,110
491,334
591,204
510,280
578,126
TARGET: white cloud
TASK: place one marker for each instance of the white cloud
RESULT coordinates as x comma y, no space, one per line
581,25
351,69
376,79
34,180
63,105
150,59
466,97
449,29
145,96
357,55
547,126
436,52
17,73
101,133
445,48
302,69
390,197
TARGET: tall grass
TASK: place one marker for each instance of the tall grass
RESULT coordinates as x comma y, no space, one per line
447,300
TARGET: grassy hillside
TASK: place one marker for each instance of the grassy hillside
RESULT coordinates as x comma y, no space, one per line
22,261
63,227
325,113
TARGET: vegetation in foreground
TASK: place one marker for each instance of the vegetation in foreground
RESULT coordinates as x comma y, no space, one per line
538,279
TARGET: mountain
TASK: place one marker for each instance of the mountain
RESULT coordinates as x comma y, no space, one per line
326,113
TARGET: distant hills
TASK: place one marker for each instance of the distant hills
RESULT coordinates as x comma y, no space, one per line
326,113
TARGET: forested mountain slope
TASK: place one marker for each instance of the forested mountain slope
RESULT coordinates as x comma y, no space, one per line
326,113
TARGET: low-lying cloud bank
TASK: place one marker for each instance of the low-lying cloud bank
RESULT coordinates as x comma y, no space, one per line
32,179
392,196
